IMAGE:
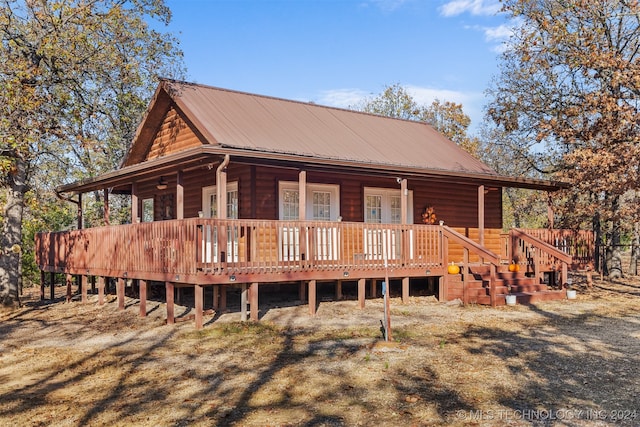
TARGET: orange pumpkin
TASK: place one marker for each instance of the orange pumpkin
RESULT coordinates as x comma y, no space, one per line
514,267
453,269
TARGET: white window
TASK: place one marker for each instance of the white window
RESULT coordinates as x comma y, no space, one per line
147,210
322,204
384,206
210,201
210,210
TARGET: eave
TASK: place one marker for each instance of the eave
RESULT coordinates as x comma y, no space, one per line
206,154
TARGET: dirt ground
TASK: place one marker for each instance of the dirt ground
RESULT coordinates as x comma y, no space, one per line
564,363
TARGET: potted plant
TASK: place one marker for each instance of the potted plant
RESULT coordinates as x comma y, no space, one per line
510,298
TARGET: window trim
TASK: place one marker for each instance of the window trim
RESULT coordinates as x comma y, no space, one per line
333,189
386,194
210,190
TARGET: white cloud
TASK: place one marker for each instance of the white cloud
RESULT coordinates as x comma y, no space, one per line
499,33
474,7
342,98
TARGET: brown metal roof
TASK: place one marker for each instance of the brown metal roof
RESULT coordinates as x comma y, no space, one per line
266,129
267,124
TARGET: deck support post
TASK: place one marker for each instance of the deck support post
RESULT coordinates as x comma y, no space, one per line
169,289
223,298
361,292
69,280
442,295
198,299
243,303
405,290
52,283
216,297
302,291
339,290
120,292
42,280
373,288
312,297
253,301
84,285
143,298
101,281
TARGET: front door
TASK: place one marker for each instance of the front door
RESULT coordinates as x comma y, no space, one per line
210,210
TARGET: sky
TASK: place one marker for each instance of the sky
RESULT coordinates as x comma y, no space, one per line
339,52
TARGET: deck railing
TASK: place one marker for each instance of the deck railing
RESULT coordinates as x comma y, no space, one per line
579,244
199,250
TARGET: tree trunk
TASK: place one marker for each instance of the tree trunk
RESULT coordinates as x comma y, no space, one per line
635,251
597,229
11,239
614,255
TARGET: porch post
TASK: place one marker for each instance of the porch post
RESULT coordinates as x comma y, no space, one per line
404,201
221,189
101,281
198,295
143,298
405,290
253,301
302,214
120,289
312,297
302,196
481,215
106,206
373,288
361,292
180,196
169,297
339,289
134,203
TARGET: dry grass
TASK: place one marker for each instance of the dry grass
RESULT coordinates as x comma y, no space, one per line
558,363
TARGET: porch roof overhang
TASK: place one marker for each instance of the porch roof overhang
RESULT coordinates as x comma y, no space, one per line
209,154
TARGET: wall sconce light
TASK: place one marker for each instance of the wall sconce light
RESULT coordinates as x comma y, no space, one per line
232,278
428,272
162,184
345,274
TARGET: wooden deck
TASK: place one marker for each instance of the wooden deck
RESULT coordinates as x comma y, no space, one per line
199,252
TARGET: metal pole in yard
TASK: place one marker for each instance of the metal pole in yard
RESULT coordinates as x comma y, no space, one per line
385,290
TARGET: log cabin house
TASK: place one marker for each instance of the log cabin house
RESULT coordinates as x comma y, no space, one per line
231,190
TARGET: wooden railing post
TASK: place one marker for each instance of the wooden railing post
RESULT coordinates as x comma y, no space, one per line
443,291
465,277
492,285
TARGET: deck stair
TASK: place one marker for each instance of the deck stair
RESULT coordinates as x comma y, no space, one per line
526,289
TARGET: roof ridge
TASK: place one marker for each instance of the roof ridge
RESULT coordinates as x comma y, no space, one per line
277,98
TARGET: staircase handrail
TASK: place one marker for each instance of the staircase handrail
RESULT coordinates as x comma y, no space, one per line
541,244
472,245
484,253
